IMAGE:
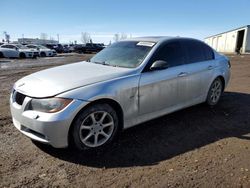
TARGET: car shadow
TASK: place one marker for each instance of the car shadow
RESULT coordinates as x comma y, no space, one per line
169,136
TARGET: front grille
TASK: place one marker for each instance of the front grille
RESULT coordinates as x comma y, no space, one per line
19,98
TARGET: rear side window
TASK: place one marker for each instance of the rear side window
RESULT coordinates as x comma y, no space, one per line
172,53
195,51
209,53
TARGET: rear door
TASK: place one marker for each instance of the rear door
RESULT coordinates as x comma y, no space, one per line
160,89
199,68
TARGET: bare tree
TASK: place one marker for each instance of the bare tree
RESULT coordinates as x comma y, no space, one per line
44,36
7,36
85,37
116,37
123,36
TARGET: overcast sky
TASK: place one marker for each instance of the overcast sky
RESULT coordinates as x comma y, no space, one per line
103,18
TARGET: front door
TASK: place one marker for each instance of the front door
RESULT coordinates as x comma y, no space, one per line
161,89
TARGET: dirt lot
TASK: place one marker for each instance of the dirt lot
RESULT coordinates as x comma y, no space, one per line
196,147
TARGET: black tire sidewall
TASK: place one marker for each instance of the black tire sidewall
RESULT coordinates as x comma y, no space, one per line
75,138
43,54
1,55
22,55
209,101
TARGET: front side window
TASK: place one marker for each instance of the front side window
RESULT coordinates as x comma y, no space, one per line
127,54
172,53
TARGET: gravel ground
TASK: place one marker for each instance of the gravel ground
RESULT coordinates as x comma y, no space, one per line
196,147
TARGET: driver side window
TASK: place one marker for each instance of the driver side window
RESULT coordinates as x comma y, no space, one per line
172,53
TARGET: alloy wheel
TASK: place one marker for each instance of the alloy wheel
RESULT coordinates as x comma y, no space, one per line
216,90
96,128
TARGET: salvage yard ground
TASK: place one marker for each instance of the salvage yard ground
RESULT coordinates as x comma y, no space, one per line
196,147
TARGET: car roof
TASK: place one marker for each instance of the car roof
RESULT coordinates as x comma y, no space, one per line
152,38
160,39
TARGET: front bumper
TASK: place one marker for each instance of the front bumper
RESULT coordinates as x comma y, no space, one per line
49,128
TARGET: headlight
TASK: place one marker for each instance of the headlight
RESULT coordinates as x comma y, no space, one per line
49,105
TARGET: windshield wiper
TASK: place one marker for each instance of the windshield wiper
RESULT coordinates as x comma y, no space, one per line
103,63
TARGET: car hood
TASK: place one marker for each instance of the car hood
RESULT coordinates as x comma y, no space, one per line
50,82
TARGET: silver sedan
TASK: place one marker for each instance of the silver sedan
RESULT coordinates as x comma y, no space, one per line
127,83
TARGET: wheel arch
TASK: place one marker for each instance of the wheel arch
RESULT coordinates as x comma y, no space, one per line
114,104
223,81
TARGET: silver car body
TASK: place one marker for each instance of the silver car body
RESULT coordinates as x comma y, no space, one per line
42,50
140,95
13,51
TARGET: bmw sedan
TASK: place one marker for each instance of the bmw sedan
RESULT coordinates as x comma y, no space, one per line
86,104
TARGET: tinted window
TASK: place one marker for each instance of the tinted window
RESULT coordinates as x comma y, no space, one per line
208,52
172,53
195,51
8,46
31,46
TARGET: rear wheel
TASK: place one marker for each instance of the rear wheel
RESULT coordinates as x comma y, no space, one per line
22,55
215,92
95,127
1,55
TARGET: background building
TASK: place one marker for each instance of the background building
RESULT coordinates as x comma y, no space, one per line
36,41
237,40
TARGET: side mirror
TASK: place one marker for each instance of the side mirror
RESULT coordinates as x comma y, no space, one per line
159,65
16,48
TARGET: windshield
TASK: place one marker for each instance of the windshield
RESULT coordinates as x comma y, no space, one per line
41,47
21,46
127,54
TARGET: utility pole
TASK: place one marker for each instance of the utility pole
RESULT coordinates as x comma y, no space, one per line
58,38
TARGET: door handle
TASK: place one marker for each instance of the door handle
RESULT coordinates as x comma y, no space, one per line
210,67
182,74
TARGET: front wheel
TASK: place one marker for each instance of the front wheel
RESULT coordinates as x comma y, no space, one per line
214,92
95,127
43,54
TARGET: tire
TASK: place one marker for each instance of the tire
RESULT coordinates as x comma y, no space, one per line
1,55
95,127
22,55
42,54
214,92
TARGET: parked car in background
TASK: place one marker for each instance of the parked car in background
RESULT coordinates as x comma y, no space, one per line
71,48
125,84
89,48
18,51
43,51
57,47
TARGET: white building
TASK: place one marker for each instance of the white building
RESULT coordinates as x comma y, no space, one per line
237,40
36,41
